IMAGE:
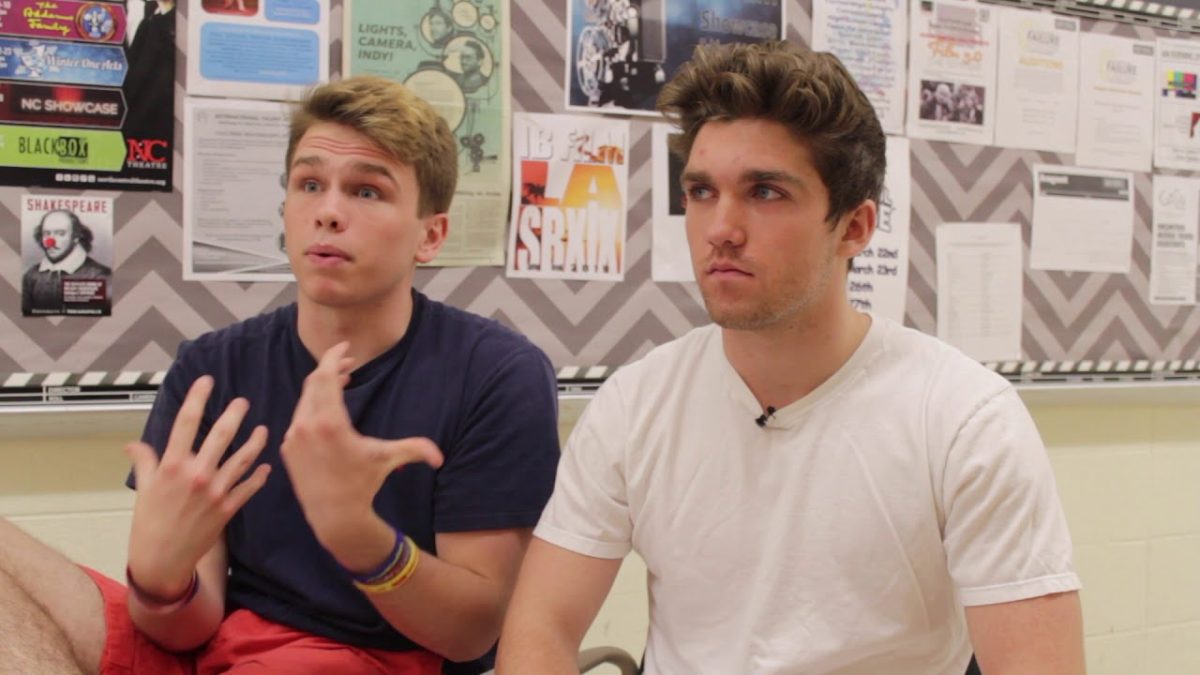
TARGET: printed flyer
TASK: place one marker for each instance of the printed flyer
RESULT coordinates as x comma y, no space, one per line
87,97
571,184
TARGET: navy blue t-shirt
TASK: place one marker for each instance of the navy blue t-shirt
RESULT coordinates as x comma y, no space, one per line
483,393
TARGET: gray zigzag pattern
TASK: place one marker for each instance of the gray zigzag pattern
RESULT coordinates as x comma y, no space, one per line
1067,316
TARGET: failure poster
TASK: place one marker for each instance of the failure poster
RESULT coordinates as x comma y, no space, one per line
87,92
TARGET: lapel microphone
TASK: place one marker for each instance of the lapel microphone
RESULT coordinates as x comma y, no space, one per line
761,420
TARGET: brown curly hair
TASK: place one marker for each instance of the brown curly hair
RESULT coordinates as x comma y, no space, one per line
810,93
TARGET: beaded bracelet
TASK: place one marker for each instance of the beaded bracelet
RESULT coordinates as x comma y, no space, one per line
400,571
154,604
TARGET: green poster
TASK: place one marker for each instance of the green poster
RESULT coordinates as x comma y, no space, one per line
453,53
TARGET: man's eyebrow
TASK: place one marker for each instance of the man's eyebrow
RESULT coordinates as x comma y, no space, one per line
769,176
373,169
748,176
358,167
308,160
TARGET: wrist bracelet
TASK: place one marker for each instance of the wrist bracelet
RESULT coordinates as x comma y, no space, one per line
399,572
393,559
158,605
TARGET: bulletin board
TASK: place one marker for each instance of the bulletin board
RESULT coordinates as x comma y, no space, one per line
1066,316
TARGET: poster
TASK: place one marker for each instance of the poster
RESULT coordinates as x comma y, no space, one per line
1177,109
454,54
87,95
621,52
570,189
66,255
878,278
234,184
952,73
1082,219
1116,102
870,37
1173,240
264,49
670,257
1037,81
979,294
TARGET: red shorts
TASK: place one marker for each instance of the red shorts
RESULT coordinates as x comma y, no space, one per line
245,644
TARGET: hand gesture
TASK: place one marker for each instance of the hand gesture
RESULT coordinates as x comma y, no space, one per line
185,500
335,470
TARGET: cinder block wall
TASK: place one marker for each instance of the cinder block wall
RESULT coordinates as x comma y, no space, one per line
1129,476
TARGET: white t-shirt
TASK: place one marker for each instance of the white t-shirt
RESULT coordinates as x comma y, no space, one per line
842,537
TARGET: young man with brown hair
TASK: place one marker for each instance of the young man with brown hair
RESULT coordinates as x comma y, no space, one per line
813,490
396,451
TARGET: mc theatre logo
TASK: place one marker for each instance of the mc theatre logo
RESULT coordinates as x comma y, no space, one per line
146,154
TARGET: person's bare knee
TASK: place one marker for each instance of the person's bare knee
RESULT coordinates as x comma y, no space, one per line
32,642
63,593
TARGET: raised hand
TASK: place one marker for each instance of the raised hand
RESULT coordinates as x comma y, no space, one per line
185,499
335,470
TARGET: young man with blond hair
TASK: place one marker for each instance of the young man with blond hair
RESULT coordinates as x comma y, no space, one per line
813,490
343,485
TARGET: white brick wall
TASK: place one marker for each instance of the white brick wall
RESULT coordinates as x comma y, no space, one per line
1129,476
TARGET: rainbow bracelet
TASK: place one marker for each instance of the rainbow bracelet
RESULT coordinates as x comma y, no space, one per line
393,559
399,570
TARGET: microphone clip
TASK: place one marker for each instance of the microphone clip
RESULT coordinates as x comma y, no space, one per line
762,419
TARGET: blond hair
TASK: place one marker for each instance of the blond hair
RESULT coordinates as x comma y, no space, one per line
808,92
401,123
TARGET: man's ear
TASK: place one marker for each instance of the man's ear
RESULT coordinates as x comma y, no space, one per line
857,228
434,230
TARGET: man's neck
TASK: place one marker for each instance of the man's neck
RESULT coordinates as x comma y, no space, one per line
371,329
783,363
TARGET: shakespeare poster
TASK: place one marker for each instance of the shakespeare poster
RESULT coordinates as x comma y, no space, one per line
569,197
621,52
454,54
87,94
66,255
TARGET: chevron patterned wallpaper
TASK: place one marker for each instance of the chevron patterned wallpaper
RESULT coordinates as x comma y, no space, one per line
1066,316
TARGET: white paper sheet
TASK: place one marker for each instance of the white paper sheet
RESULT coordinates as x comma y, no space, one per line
870,37
952,71
1173,245
1082,219
670,258
1037,80
878,279
233,190
1177,111
569,197
263,49
979,289
1116,100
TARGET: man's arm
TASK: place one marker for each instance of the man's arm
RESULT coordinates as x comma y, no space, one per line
557,597
1037,636
454,603
184,501
197,621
